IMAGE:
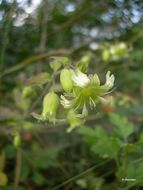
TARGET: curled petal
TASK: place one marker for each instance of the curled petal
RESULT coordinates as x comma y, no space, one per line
66,103
80,79
92,102
103,100
109,80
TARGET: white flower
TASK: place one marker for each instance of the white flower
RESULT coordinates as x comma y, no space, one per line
66,103
80,79
109,80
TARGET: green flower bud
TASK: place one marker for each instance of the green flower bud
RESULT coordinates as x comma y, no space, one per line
58,62
85,58
50,105
55,65
28,92
66,80
64,60
17,141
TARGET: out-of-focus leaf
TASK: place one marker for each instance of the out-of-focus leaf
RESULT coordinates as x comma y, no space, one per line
10,151
7,113
123,127
40,161
39,79
25,171
2,161
3,179
92,136
38,178
20,102
107,147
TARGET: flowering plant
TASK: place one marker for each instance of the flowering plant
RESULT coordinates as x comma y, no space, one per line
81,92
87,90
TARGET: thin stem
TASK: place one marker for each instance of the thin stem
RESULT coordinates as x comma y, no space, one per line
18,168
79,175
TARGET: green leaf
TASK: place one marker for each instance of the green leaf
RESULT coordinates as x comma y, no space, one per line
107,147
92,136
10,151
25,171
123,127
38,178
40,160
2,161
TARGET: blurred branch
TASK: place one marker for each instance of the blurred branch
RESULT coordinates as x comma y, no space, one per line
43,36
41,56
136,37
8,21
45,19
86,7
79,13
34,58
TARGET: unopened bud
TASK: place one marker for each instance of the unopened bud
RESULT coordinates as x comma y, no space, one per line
17,141
28,92
50,105
66,80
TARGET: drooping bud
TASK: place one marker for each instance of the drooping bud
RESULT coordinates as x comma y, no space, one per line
17,141
73,120
83,63
64,60
28,91
50,105
66,80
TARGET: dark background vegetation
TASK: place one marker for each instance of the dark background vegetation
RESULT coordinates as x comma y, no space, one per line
109,147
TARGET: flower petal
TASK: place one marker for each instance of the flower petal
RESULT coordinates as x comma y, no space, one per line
80,79
66,103
109,80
